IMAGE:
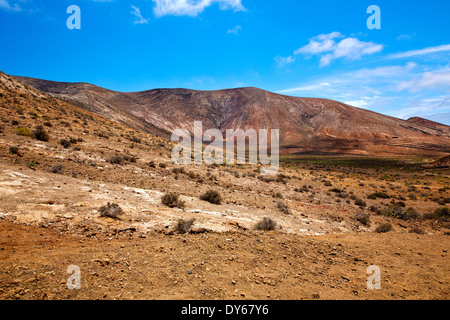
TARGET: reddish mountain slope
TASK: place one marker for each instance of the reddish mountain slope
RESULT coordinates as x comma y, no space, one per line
307,125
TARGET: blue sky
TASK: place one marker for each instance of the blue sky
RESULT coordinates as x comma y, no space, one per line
300,48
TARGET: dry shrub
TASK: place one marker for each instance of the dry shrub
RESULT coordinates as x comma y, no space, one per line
184,226
266,224
112,210
172,200
211,196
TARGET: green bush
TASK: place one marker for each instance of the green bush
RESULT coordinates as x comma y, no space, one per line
398,212
23,131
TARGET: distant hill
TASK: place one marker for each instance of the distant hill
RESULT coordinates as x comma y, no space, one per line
430,124
307,125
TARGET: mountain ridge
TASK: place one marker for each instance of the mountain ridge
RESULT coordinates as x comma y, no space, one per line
307,125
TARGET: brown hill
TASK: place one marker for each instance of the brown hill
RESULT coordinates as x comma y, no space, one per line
307,125
430,124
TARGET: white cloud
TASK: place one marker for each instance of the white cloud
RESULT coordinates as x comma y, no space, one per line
283,61
334,46
424,107
391,72
443,117
137,13
357,103
235,30
311,87
359,83
320,44
420,52
192,7
428,80
5,4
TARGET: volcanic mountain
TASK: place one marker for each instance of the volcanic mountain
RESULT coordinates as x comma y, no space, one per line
307,125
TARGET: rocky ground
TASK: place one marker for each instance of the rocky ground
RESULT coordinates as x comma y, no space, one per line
230,265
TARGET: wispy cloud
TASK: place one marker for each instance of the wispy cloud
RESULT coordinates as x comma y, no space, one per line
386,89
426,107
420,52
311,87
6,5
283,61
335,45
192,7
369,88
428,80
358,83
137,13
235,30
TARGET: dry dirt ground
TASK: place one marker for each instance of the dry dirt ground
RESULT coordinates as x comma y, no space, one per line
34,261
50,193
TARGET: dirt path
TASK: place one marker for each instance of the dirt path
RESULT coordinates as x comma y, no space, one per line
34,260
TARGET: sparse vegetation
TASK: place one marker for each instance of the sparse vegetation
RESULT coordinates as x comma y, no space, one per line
184,226
283,207
40,134
212,196
115,160
360,203
442,213
65,143
266,224
31,164
399,212
277,195
416,230
57,168
363,218
111,210
327,183
385,227
172,200
23,131
378,195
14,150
